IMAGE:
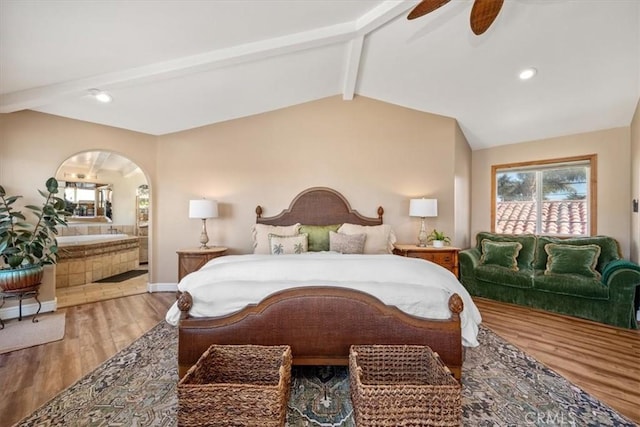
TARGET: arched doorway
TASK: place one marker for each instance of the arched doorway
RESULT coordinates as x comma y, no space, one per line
104,249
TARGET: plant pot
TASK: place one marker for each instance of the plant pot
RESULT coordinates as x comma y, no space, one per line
438,243
13,279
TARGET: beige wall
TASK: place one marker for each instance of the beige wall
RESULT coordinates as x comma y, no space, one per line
613,149
462,190
372,152
33,145
635,184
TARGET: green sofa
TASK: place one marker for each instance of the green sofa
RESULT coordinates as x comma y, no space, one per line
584,277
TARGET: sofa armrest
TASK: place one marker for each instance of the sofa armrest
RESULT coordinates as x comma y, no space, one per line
469,259
622,283
624,290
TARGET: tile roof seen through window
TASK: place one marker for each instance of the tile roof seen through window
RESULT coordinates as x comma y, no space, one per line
564,217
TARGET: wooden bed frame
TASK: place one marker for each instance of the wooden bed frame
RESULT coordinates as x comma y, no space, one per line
320,323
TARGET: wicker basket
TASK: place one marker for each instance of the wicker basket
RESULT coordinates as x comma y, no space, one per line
402,386
236,385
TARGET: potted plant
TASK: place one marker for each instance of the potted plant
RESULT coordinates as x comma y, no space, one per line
438,238
25,247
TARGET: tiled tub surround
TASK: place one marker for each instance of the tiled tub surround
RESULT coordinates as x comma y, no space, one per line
81,229
86,258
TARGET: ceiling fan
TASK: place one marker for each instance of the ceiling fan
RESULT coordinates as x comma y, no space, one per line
483,12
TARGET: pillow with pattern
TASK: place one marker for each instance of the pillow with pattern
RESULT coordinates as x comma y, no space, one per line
281,245
261,235
380,238
347,243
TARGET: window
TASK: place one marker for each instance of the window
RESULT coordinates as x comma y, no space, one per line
552,197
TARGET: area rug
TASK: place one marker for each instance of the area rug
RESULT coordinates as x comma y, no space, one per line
122,276
17,335
501,387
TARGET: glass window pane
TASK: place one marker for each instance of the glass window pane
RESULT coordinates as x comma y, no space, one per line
564,209
545,197
516,206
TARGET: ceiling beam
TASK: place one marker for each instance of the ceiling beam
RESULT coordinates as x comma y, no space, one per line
351,70
369,22
383,13
36,97
319,37
98,162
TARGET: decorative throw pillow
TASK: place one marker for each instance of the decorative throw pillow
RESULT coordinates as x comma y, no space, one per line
503,254
572,259
380,238
281,245
261,235
347,243
318,236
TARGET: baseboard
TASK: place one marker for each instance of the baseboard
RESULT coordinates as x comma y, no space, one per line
28,309
162,287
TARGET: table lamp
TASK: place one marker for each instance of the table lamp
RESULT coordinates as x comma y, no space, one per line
423,208
203,209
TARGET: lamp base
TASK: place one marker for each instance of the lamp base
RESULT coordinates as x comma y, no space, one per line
422,236
204,237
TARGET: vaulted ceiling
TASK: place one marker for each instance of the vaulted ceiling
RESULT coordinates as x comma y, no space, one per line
174,65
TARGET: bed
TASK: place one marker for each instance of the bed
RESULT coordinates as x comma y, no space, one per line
319,321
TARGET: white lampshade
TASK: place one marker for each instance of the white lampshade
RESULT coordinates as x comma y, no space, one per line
423,207
203,208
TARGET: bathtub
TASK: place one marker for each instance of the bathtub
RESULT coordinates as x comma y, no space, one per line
88,239
84,259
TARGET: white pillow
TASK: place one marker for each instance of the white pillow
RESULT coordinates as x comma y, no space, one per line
380,238
281,245
261,235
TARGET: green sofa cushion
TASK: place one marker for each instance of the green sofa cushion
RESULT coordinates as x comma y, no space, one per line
503,254
609,249
572,259
318,236
571,284
504,277
528,242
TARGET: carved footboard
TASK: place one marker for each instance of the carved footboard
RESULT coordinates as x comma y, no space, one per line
320,324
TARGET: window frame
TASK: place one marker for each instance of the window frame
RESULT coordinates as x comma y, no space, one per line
592,191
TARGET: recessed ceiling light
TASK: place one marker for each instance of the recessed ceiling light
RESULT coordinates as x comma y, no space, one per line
101,95
527,73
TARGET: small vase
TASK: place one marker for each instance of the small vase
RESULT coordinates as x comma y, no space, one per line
438,243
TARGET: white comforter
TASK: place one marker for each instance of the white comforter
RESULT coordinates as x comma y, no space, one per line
227,284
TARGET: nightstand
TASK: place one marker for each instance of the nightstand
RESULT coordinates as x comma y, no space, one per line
190,260
446,256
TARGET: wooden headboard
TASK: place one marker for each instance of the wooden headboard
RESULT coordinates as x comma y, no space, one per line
319,206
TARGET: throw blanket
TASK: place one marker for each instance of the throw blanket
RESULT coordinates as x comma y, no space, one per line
228,284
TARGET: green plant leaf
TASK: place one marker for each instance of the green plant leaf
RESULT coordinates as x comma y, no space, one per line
11,200
23,242
52,185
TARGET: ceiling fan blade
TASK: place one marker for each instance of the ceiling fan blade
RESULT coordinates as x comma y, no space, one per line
483,13
426,6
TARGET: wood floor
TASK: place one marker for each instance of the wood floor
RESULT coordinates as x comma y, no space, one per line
94,332
602,360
